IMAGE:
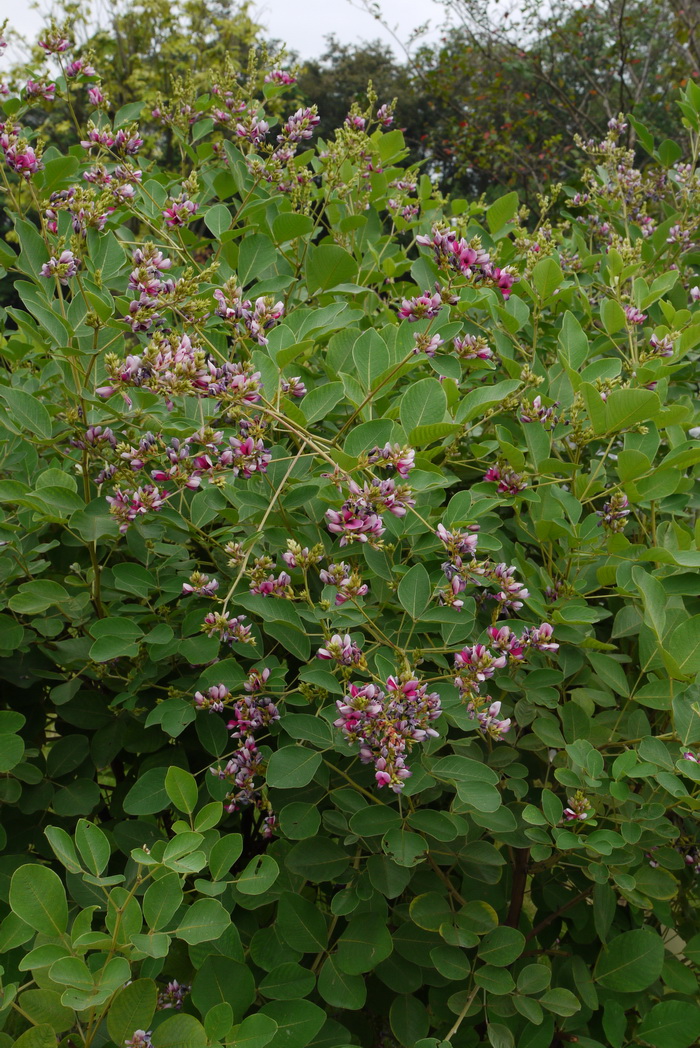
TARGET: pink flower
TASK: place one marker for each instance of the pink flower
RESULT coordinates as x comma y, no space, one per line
420,307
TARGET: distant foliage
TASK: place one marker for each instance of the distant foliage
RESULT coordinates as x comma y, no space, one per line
350,620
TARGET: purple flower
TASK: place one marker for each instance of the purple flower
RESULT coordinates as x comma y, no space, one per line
180,211
634,315
54,43
172,996
139,1039
613,515
393,457
64,267
342,650
127,505
213,700
490,722
279,76
385,115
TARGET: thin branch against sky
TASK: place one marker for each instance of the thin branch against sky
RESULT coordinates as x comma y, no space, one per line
304,28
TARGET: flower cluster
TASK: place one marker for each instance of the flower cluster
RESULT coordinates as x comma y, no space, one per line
250,713
139,1039
64,267
342,650
347,581
468,258
228,630
578,809
460,572
126,505
387,724
359,518
172,996
393,457
173,365
538,412
146,280
477,664
200,585
421,307
472,347
19,156
256,318
613,515
509,482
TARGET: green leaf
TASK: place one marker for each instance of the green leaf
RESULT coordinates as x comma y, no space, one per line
42,1036
287,982
502,211
181,788
339,989
414,591
479,400
217,219
148,795
27,412
259,875
180,1031
63,848
300,924
224,854
204,920
320,401
573,341
254,1032
683,646
560,1001
631,962
223,980
93,846
318,860
298,1022
38,898
408,1019
371,357
421,436
546,277
363,945
502,946
289,226
327,266
671,1024
44,1006
132,1009
257,254
628,407
36,596
423,403
613,315
162,900
292,767
404,847
299,820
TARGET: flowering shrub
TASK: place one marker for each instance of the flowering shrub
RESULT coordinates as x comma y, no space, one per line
350,631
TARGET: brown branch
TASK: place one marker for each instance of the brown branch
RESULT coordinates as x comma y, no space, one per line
557,913
521,859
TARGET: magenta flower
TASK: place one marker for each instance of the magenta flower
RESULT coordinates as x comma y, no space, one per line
180,211
420,307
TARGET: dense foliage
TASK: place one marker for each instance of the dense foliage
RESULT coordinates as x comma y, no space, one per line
350,616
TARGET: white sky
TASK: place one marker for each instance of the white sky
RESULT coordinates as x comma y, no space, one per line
302,24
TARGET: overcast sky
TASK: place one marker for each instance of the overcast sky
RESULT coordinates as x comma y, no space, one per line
303,24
